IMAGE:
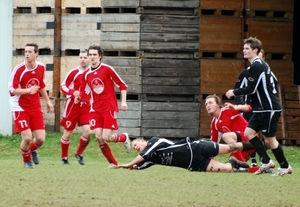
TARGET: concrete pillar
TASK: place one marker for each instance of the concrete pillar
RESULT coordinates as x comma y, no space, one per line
6,12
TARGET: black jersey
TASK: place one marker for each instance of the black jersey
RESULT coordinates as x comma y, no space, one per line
242,82
165,152
261,87
191,155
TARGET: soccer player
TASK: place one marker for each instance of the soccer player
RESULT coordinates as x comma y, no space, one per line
239,100
75,114
229,125
266,108
191,155
99,80
25,86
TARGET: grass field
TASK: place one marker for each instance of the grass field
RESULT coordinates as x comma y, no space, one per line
53,184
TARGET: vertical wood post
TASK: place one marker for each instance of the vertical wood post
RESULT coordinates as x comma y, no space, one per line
57,63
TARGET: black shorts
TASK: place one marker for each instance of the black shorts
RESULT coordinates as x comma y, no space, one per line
266,122
203,151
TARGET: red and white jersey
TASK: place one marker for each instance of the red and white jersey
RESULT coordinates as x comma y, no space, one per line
72,82
229,120
101,82
23,78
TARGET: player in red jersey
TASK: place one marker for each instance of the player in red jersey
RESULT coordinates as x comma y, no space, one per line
99,80
75,114
228,124
25,86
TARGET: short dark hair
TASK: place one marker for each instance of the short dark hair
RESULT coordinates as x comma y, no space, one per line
254,43
36,47
96,47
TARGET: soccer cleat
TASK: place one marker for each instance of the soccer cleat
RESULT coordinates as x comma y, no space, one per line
283,171
35,157
112,166
265,167
65,161
253,164
127,143
80,159
239,163
28,165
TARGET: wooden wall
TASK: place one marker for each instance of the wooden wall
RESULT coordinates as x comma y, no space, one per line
172,54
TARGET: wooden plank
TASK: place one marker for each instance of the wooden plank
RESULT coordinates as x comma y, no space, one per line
168,55
169,97
292,88
154,106
34,19
119,3
121,27
171,90
171,81
175,20
42,41
170,124
170,3
231,29
121,18
81,3
283,70
277,38
165,115
161,37
170,133
174,46
220,4
79,19
182,11
170,72
35,3
170,63
292,104
71,40
294,112
276,5
123,62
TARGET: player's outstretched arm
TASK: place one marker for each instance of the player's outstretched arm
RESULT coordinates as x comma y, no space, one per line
133,163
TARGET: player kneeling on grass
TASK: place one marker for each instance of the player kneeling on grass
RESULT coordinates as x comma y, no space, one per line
191,155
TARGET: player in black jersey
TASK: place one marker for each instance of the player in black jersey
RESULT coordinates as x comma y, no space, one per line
242,82
266,108
191,155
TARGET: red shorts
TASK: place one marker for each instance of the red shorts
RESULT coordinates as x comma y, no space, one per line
75,114
24,120
105,120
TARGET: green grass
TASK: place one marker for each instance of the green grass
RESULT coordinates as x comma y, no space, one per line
52,184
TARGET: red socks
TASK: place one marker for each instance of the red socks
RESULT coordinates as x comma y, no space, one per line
26,155
120,138
64,144
83,142
106,151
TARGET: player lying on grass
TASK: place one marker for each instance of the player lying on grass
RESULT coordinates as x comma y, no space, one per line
191,155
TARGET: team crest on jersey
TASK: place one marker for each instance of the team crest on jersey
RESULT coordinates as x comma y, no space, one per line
250,79
97,85
32,82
